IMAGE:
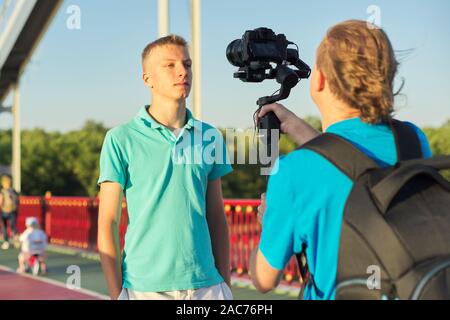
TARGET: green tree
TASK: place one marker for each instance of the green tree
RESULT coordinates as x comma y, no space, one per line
5,147
82,151
439,139
246,180
65,164
68,163
42,168
314,121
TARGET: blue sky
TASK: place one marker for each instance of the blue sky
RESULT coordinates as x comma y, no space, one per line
94,73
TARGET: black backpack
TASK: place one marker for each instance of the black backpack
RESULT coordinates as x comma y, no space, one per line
396,220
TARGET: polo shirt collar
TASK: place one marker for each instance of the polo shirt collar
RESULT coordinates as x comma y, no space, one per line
149,121
190,121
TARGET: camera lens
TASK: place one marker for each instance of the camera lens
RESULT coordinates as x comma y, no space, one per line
234,53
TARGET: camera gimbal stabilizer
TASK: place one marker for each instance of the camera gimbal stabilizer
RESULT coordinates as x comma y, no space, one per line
254,54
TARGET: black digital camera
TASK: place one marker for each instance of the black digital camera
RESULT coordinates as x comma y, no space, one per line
261,54
255,52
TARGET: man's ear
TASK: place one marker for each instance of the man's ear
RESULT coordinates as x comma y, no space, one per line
320,80
147,78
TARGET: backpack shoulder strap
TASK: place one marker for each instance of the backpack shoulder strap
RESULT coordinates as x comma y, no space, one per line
406,141
350,161
342,154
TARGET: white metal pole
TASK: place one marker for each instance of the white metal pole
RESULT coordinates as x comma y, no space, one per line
16,155
163,17
196,58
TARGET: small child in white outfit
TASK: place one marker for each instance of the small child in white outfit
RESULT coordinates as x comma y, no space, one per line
33,243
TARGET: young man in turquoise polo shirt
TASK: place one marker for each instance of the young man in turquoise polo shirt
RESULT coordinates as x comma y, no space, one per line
168,165
351,84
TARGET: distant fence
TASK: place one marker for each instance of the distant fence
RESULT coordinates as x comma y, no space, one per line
72,221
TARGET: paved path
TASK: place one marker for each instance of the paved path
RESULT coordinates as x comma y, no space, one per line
15,286
52,286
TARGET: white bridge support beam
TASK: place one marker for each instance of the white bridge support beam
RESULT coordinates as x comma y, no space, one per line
163,18
16,141
196,59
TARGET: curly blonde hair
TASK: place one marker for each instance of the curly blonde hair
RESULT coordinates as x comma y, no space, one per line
359,63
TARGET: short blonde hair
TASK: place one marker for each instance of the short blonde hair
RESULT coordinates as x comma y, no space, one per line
360,65
163,41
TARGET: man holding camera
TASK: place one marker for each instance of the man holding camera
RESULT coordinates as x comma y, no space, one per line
352,86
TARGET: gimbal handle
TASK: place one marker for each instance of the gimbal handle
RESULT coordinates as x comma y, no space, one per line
288,80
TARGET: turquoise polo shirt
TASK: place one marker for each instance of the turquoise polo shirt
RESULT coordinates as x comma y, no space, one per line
306,198
164,178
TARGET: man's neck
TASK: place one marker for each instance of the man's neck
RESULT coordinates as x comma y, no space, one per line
171,114
337,112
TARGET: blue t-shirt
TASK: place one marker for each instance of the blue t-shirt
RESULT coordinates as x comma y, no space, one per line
306,198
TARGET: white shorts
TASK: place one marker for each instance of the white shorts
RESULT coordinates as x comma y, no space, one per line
219,291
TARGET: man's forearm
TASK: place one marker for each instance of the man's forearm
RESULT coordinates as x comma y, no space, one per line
252,269
109,248
221,247
252,262
264,277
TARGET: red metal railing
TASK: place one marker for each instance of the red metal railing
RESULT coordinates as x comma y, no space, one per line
72,221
